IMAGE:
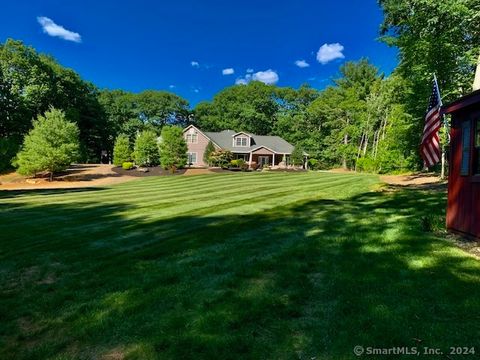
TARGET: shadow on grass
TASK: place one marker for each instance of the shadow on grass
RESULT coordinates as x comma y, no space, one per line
6,194
305,280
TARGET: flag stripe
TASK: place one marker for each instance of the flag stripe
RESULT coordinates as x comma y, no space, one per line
430,146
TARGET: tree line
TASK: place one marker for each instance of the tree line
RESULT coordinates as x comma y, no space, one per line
364,121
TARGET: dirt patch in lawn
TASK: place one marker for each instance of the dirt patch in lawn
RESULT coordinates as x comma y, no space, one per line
416,180
79,175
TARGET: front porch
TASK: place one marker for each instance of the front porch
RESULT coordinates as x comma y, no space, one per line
264,157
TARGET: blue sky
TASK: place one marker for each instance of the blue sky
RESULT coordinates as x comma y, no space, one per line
192,47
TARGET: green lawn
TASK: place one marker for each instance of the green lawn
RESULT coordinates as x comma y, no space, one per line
246,265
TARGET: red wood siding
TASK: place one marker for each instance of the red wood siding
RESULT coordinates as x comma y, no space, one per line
463,211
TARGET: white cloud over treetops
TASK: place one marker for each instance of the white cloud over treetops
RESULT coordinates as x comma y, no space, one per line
330,52
49,27
267,77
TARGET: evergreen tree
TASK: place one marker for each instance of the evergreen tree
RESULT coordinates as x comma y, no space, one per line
146,149
52,145
208,151
173,148
297,156
121,151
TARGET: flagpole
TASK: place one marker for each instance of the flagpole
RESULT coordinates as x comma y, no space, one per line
444,148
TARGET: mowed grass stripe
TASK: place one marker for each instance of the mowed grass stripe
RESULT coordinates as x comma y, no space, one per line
130,193
172,183
235,204
206,202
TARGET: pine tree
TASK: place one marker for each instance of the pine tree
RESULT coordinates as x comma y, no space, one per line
52,145
173,148
208,151
297,155
122,151
146,149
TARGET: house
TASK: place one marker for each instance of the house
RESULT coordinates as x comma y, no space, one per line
463,209
254,149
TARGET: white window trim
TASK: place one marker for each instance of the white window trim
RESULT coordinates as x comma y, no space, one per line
241,137
189,155
191,142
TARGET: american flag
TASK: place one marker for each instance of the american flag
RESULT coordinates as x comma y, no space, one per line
430,147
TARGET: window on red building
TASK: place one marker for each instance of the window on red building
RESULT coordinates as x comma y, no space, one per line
465,167
477,147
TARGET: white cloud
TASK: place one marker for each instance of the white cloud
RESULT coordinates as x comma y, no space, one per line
249,71
302,63
267,77
195,64
329,52
52,29
228,71
241,81
171,86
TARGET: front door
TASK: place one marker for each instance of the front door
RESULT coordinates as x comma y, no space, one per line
263,160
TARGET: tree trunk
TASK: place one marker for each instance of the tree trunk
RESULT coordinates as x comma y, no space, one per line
359,151
344,160
51,176
374,145
442,174
365,145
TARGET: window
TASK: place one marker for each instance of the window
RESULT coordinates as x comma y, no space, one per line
477,147
241,141
242,156
191,138
192,158
464,170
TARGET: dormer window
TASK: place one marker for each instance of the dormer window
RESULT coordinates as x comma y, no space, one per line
241,141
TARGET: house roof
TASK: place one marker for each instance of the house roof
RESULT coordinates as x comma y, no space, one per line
463,102
274,143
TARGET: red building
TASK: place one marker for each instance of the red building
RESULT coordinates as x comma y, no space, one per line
463,211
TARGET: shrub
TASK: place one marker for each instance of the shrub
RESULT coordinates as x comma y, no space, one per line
366,164
127,165
313,163
146,149
221,158
52,145
121,151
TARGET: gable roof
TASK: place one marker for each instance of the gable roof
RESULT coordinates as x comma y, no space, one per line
275,143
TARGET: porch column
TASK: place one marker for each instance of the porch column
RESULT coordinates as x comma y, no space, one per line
250,161
273,162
